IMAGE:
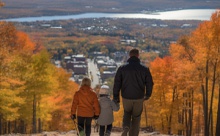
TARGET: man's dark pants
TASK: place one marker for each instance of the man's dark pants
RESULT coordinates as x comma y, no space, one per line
132,116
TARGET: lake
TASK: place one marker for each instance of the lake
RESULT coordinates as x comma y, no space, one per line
187,14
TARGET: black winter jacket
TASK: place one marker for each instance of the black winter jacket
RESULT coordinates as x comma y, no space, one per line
133,79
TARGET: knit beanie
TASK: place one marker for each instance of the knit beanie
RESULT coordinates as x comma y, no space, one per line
104,90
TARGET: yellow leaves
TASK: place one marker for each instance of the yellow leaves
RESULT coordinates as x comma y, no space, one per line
9,103
26,72
59,101
10,83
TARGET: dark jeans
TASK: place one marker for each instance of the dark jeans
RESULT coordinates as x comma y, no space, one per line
102,129
132,116
85,123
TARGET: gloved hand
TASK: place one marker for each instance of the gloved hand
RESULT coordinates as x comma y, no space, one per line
146,98
96,117
73,116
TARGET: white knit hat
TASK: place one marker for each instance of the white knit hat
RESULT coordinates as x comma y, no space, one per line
104,90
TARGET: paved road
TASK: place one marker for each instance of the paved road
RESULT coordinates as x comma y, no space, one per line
93,71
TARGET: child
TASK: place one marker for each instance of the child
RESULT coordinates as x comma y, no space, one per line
106,118
86,106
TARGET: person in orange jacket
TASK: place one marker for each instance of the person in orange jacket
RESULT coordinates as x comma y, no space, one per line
85,106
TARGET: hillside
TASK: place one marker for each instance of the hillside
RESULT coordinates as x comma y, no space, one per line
13,8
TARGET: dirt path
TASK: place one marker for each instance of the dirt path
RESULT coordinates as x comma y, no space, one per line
73,133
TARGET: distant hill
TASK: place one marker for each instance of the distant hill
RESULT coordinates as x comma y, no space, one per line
21,8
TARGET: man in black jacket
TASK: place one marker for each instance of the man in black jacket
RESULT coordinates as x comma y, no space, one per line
135,82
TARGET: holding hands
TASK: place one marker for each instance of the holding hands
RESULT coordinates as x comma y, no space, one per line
96,117
73,116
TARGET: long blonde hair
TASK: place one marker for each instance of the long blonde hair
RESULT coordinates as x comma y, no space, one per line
86,82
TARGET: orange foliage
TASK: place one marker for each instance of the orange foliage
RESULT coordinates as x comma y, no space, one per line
186,82
24,43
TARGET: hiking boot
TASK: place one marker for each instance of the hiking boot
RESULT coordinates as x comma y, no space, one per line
107,134
125,131
82,133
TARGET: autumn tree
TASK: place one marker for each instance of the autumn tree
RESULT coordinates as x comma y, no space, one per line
201,51
60,101
10,84
27,80
188,83
168,96
205,43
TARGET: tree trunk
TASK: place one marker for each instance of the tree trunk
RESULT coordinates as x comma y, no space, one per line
171,112
211,125
162,123
169,124
15,126
186,122
5,127
180,121
39,125
34,125
205,111
9,127
183,110
22,127
191,109
218,114
198,122
1,125
206,100
212,97
145,114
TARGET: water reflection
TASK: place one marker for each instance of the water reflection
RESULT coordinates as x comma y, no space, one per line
190,14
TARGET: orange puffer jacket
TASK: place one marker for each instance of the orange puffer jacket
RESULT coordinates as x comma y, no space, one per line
85,103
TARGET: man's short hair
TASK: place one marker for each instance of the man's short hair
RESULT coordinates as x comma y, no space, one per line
134,52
